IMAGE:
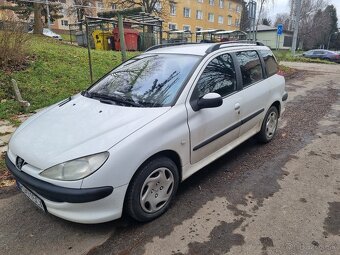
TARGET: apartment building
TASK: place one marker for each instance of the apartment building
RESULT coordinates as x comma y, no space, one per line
196,15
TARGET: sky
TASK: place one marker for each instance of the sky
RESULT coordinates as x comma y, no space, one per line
283,6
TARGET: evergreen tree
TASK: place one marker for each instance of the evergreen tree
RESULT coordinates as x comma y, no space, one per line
244,22
25,9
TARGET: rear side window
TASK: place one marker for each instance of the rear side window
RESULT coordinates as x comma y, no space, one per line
270,62
250,65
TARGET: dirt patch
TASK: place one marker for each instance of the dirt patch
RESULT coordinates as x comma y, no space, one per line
6,179
8,191
266,242
222,239
335,156
303,200
332,222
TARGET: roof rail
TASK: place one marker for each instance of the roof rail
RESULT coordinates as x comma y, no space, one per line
217,46
168,45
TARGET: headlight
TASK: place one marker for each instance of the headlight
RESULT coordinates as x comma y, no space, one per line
76,169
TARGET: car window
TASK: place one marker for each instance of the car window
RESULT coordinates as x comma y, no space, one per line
270,62
318,52
219,77
250,65
147,81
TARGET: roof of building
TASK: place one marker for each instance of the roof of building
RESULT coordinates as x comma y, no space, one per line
264,28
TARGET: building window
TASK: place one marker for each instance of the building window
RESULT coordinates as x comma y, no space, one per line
211,17
238,8
237,22
172,9
186,27
64,22
200,1
158,6
230,5
221,3
230,20
186,12
199,14
211,2
99,5
198,29
172,26
220,19
113,6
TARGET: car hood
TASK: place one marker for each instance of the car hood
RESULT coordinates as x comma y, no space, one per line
82,126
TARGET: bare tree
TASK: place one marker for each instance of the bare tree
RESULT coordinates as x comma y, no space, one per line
282,18
81,8
309,8
245,21
25,9
262,4
157,7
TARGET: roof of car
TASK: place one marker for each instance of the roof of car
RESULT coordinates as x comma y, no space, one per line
199,49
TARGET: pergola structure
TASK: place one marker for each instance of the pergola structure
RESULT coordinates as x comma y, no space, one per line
133,16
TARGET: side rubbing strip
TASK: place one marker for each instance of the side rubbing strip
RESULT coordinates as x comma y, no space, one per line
227,130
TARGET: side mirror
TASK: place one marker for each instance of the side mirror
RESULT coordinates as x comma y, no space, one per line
210,100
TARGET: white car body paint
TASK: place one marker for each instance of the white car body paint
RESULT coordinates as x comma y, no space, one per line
131,135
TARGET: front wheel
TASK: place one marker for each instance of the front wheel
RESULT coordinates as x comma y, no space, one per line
269,125
152,189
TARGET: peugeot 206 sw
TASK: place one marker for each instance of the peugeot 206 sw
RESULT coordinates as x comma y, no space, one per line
125,143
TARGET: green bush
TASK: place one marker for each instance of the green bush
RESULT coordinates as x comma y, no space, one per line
13,44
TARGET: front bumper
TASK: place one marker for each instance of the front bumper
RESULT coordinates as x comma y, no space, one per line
57,193
89,206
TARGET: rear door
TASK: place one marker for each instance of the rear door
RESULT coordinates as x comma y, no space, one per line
255,92
212,129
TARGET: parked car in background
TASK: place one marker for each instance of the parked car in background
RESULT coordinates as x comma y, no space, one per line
323,54
125,143
49,33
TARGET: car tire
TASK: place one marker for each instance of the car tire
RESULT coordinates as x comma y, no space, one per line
152,189
269,125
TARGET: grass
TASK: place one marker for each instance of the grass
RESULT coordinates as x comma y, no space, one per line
58,71
66,37
286,55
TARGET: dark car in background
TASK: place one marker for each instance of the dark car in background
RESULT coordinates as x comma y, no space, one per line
323,54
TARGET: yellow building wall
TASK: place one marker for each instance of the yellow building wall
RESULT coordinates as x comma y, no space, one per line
231,9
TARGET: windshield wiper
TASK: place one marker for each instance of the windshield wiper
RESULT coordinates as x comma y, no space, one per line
106,99
150,104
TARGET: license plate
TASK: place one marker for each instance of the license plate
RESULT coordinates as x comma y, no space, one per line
36,200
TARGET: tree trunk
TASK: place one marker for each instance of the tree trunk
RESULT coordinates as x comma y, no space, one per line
38,26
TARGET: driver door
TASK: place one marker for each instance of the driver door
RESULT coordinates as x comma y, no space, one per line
213,128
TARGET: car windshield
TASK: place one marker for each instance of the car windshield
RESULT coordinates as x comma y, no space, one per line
145,81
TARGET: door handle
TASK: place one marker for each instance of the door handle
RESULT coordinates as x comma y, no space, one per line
237,106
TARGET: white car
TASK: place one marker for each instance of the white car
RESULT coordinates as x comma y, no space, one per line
127,142
49,33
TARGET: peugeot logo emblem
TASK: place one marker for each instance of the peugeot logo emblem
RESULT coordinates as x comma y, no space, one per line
20,162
